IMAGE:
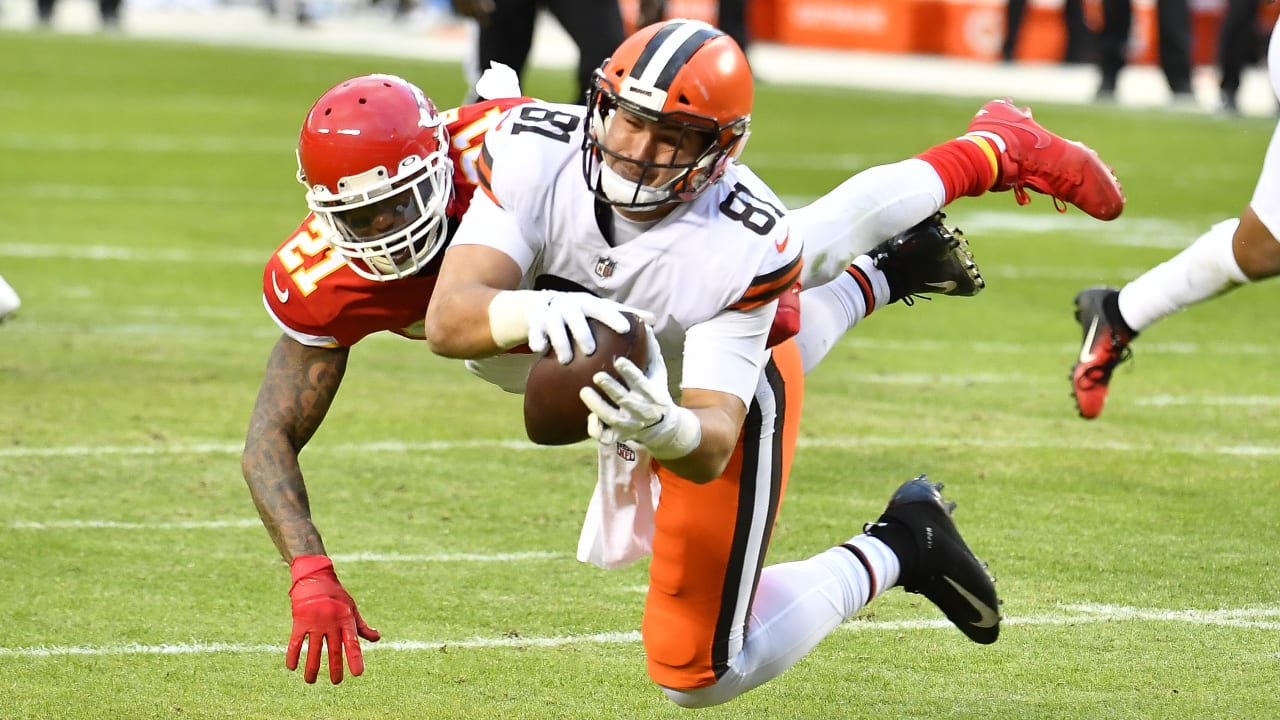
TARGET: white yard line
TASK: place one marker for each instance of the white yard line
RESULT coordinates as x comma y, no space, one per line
1154,348
216,448
851,443
126,254
449,557
1243,618
935,379
118,525
135,144
1209,401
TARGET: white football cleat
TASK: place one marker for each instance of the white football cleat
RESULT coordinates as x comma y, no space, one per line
9,301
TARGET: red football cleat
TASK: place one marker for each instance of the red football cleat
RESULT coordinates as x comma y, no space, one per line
1105,346
1035,158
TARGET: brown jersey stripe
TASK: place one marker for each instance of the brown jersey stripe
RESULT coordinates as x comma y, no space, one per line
765,288
484,168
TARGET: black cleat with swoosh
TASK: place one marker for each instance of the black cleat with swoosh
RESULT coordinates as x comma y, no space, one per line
928,258
1106,345
942,569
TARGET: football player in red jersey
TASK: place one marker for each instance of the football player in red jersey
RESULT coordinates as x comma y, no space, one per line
387,177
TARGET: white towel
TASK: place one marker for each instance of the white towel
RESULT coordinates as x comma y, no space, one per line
618,529
498,82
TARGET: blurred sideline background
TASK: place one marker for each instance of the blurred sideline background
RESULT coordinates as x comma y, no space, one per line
947,47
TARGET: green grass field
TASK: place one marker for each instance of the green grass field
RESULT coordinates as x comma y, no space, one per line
142,187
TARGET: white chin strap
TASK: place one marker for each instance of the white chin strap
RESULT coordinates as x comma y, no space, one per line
626,192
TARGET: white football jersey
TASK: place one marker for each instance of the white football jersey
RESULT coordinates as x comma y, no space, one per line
709,272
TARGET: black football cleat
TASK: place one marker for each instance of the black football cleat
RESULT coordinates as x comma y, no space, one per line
1105,345
939,566
928,258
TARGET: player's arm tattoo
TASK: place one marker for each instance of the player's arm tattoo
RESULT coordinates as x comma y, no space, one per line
297,390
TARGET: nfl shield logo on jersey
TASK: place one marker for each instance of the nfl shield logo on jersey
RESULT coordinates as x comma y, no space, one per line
604,267
626,452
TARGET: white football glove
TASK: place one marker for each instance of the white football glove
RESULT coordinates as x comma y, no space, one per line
641,409
546,318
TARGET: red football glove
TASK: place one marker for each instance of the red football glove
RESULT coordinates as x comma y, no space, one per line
786,321
324,614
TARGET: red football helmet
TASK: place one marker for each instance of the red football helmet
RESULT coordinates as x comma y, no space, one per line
374,156
683,73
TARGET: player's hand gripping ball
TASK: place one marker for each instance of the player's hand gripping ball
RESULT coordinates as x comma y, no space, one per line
553,412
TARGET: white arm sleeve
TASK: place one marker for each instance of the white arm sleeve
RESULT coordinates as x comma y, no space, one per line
863,212
727,352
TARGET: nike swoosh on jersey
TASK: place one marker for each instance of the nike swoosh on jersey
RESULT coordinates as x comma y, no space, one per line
281,295
1086,350
945,286
987,617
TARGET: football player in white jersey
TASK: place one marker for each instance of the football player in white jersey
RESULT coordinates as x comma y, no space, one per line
668,224
1232,253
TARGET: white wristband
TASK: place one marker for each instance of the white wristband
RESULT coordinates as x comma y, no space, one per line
509,316
683,435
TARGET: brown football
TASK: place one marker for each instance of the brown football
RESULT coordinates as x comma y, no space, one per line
553,412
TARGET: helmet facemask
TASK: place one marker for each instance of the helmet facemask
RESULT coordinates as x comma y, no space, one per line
388,224
722,144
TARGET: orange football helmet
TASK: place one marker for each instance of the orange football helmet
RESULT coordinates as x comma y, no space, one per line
373,154
684,73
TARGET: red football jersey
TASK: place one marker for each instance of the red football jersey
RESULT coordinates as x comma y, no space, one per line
318,300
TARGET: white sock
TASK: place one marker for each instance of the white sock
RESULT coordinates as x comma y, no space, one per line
1206,268
881,562
797,604
828,311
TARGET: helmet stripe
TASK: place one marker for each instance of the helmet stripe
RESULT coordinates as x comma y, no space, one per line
651,48
668,51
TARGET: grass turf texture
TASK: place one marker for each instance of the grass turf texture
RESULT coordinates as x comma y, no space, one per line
143,186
